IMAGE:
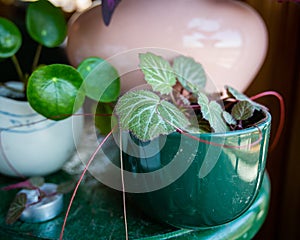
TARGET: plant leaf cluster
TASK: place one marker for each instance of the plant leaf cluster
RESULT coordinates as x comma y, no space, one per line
19,204
56,91
148,114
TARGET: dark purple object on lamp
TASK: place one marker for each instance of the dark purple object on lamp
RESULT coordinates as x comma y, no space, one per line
108,7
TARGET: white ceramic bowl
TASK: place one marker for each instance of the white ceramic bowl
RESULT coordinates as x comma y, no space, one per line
30,146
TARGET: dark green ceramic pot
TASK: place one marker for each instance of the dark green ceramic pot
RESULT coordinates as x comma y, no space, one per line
199,184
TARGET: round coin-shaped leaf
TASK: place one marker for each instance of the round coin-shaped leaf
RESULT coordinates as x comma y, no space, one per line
46,23
101,79
10,38
55,91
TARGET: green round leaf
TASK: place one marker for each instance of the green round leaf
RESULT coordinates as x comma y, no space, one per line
101,79
55,91
10,38
103,117
46,23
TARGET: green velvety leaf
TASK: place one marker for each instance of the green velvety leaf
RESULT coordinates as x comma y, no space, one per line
101,79
10,38
190,73
212,112
158,72
16,208
242,110
55,91
46,23
242,97
37,181
228,118
65,187
147,116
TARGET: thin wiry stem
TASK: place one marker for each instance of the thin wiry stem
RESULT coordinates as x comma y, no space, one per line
18,68
282,114
80,180
123,189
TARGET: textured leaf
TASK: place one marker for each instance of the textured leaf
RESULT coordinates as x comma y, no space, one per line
212,112
242,110
190,73
228,118
55,91
195,129
101,79
46,23
242,97
10,38
147,116
158,72
16,208
65,187
37,181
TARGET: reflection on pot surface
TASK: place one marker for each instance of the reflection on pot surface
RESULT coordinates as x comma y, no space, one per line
219,184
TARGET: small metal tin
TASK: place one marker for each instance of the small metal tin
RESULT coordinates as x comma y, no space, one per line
46,209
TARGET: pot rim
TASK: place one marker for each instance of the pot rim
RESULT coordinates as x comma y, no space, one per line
14,101
262,123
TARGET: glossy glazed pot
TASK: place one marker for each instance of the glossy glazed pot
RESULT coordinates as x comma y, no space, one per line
227,36
34,149
220,181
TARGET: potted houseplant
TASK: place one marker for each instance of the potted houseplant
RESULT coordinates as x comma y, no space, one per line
38,132
193,158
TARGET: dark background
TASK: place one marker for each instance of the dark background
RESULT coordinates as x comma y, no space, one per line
281,72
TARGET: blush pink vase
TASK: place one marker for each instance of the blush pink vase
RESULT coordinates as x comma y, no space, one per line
228,37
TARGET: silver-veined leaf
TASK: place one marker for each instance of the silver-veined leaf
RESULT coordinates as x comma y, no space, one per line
242,97
16,208
229,118
158,72
147,116
212,112
242,110
189,73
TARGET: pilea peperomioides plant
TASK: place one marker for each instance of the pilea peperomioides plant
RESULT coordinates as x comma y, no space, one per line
55,91
177,89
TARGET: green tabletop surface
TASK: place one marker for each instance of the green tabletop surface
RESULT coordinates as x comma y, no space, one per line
97,213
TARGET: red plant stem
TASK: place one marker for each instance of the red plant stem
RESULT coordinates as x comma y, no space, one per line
282,114
24,184
123,189
80,180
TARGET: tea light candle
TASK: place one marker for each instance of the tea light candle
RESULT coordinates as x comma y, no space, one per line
48,208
